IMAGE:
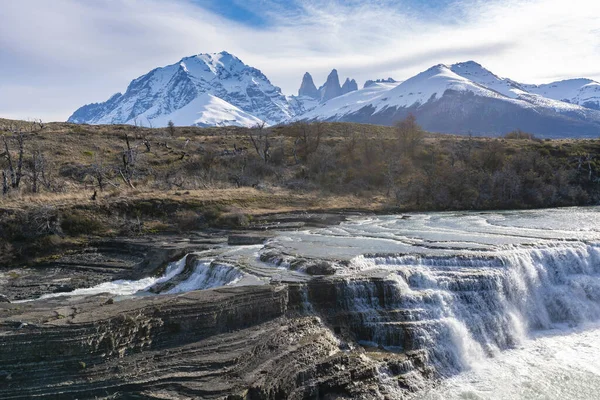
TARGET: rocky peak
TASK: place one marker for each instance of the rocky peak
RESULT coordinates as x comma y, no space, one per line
308,88
331,88
349,86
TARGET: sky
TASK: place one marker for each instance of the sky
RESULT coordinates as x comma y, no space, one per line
57,55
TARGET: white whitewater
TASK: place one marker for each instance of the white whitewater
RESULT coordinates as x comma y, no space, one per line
126,287
207,275
502,301
556,365
465,309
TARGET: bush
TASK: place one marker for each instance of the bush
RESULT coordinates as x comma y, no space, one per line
232,220
519,134
187,220
78,223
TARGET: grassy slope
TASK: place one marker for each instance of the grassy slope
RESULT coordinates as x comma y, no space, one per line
147,209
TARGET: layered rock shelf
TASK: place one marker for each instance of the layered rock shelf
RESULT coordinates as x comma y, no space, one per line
250,342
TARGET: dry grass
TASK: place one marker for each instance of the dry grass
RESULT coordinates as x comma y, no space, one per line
248,200
74,146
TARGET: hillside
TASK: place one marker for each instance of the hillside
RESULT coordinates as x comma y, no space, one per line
80,181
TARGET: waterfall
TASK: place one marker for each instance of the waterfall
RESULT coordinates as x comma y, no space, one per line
206,274
209,274
464,308
124,287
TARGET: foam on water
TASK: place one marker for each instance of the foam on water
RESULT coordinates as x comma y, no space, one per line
471,308
126,287
556,365
209,274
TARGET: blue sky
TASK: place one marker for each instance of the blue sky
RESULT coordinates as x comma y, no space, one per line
251,13
67,53
255,13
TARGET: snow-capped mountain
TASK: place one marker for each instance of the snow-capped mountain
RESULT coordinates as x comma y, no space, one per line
466,97
583,92
206,89
219,89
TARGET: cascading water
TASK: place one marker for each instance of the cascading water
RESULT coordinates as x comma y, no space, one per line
205,274
208,274
125,287
464,287
461,309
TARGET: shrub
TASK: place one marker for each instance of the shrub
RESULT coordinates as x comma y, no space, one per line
232,220
78,223
519,134
187,220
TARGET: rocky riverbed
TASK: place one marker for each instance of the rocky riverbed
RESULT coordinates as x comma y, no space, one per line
253,341
297,306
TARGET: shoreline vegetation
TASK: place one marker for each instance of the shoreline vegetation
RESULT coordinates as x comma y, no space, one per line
63,185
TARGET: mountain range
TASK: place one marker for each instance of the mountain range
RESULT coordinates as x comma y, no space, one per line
219,89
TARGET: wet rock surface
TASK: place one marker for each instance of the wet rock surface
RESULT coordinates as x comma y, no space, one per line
102,261
235,342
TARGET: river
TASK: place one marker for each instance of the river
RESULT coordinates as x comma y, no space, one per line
506,304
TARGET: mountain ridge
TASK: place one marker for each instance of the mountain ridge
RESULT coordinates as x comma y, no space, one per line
219,89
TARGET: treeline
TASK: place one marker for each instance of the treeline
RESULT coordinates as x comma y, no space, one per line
419,171
415,170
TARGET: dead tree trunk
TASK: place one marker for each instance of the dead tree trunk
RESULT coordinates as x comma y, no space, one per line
5,187
128,164
19,172
15,171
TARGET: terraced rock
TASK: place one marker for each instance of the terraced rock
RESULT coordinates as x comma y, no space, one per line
238,343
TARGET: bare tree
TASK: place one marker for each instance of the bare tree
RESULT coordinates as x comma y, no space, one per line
5,186
98,171
585,161
147,144
36,124
129,158
307,139
15,171
409,134
351,136
260,138
38,170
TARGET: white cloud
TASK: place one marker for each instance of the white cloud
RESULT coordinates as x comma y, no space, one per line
57,55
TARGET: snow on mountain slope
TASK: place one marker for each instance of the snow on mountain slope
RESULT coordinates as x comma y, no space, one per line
205,110
584,92
432,84
418,90
460,98
302,104
478,74
156,97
